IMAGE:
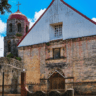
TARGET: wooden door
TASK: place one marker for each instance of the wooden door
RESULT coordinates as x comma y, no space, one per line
57,81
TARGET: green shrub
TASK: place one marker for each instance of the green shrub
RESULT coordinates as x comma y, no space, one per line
13,37
18,35
47,44
18,58
10,55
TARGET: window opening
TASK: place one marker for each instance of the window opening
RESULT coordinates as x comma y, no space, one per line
19,27
56,53
26,29
58,30
9,46
10,28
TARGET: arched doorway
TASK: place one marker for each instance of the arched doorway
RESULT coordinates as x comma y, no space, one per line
57,82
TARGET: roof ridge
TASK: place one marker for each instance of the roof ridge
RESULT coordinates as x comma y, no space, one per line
78,12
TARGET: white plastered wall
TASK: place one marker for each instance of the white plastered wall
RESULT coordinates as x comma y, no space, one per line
74,25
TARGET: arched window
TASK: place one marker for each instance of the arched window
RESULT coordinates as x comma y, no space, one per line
9,46
19,27
26,29
10,28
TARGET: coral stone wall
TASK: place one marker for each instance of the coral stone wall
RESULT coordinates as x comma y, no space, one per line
14,23
77,59
81,54
14,41
11,36
34,60
12,75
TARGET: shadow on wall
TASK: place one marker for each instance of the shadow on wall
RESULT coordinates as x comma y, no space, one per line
52,93
25,91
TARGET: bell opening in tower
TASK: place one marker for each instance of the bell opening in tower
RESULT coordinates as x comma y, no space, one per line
26,29
10,28
9,46
19,27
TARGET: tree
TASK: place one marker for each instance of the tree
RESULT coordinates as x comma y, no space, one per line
4,5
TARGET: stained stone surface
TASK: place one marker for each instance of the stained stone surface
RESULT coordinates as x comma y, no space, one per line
12,73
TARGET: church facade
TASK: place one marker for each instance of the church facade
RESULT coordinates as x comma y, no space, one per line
59,51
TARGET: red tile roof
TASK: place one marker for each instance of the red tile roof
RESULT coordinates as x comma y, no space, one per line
18,15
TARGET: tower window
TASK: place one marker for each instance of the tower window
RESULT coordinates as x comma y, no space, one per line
10,28
9,46
58,31
19,27
26,29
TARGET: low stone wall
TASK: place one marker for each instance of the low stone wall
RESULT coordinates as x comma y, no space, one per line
85,88
52,93
84,95
11,94
12,75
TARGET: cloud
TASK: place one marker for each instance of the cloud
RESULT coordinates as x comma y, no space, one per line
1,46
38,14
36,17
94,19
31,22
2,26
2,34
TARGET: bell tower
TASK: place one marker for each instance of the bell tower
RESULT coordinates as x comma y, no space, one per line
17,27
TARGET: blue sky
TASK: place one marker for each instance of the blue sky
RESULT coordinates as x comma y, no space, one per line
34,8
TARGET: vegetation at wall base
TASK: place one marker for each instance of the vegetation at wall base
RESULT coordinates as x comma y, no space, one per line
10,55
47,44
18,35
13,37
18,58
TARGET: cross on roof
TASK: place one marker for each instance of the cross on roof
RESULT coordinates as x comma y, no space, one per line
18,5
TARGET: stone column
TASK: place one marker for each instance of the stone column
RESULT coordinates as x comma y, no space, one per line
23,83
51,53
62,52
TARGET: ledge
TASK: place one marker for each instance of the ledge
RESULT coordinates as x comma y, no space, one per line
56,58
64,78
